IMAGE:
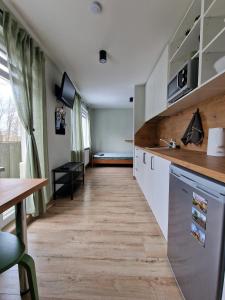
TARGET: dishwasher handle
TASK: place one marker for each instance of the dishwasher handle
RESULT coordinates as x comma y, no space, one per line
184,178
210,194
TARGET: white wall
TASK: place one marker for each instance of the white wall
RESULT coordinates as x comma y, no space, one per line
110,129
59,146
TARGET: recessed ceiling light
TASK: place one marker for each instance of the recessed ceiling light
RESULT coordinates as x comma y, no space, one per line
96,7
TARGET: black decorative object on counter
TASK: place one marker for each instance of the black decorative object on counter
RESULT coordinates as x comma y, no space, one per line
194,133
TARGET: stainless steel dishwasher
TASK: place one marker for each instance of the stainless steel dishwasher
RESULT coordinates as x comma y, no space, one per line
196,234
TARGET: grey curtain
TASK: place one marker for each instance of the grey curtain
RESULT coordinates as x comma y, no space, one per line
77,153
26,65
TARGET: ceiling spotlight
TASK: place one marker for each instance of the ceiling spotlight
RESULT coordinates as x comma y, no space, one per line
96,7
131,99
102,56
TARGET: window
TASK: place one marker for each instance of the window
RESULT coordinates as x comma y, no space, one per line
85,128
10,132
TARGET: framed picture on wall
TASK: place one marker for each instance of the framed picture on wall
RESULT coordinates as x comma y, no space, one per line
60,122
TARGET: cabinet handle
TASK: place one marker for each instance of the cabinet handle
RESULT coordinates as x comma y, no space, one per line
152,160
144,160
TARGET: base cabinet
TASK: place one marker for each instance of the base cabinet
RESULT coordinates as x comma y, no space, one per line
139,166
153,178
159,198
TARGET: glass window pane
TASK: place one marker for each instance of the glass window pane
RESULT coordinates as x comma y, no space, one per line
10,133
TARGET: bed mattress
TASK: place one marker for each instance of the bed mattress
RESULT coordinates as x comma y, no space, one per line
109,155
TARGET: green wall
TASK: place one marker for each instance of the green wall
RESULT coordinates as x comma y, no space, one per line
110,129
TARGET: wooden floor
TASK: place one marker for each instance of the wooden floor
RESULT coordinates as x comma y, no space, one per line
105,244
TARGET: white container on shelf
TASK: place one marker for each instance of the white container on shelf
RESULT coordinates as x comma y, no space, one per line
219,65
216,142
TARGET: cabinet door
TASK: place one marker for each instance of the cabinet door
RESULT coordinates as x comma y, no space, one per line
139,167
161,193
149,179
156,88
136,162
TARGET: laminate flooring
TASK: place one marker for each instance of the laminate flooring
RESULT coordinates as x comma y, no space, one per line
103,245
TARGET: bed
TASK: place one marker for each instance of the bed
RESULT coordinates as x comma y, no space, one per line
106,158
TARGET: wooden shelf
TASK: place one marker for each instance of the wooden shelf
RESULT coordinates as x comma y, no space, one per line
211,88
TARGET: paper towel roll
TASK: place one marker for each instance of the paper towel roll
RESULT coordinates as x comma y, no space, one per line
216,142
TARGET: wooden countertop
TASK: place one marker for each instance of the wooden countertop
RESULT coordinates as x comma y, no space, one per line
211,166
13,190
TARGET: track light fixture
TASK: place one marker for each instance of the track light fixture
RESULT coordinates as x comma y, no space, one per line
102,56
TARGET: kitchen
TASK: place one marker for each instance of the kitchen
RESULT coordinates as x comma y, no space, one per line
179,151
144,129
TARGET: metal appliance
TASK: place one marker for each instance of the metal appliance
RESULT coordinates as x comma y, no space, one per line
196,234
184,81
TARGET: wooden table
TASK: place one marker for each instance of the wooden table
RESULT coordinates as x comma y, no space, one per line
12,193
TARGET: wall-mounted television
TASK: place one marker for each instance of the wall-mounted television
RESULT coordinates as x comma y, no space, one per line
66,93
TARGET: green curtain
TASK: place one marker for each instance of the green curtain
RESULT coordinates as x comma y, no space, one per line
77,153
89,127
26,65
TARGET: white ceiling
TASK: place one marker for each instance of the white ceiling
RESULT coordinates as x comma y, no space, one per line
133,32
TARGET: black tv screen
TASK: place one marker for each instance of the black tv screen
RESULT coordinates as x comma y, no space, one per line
67,91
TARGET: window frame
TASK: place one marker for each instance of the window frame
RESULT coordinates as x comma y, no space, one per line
9,215
86,136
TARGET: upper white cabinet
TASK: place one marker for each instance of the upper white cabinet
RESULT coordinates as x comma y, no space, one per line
139,107
185,43
156,88
213,41
201,34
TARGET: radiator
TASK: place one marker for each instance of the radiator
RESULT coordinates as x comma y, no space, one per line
86,157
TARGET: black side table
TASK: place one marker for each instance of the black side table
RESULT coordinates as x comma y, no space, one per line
73,172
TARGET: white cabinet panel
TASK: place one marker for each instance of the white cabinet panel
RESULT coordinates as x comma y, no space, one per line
160,205
149,179
152,174
156,88
139,167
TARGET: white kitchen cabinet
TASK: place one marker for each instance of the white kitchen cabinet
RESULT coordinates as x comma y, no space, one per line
139,166
149,184
153,179
160,201
139,107
156,88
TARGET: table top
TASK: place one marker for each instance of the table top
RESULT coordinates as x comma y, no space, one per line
15,190
68,167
